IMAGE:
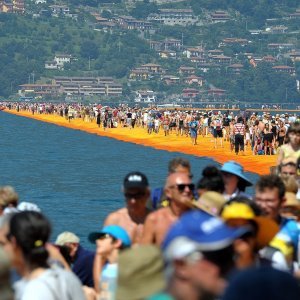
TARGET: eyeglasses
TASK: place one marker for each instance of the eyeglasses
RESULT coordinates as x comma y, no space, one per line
137,195
181,187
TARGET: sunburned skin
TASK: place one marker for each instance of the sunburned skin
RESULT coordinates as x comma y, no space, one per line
159,222
133,226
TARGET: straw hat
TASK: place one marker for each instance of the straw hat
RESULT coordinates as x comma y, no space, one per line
211,202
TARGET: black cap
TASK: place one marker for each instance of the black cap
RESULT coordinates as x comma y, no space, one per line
135,180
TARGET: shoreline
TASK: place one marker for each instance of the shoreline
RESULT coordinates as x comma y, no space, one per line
259,164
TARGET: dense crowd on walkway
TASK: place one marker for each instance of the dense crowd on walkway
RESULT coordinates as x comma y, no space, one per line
263,133
199,237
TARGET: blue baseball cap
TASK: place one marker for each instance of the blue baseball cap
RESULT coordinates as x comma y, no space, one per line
198,230
115,231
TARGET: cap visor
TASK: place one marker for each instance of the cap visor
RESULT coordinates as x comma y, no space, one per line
93,236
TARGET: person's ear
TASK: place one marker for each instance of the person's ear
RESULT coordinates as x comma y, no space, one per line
118,244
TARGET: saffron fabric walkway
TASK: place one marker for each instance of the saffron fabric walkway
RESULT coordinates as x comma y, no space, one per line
259,164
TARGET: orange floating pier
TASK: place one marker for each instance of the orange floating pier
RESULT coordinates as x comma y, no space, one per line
259,164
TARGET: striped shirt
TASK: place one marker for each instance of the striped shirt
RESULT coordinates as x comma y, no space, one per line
239,128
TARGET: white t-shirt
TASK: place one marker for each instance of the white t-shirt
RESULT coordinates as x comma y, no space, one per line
53,284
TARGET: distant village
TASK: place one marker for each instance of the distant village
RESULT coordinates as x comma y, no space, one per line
198,56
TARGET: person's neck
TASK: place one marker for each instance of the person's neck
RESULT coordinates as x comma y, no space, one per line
295,147
177,209
113,257
230,191
138,216
30,274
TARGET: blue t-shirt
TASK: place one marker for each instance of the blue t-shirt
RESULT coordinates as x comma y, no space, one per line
108,282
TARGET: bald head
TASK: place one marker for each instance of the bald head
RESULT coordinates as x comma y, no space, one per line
179,188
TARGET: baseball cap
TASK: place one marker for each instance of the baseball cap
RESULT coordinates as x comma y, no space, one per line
67,237
115,231
200,231
135,180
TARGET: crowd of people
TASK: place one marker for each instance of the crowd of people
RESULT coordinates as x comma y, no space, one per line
204,240
264,134
212,240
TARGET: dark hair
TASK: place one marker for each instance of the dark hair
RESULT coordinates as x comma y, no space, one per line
31,230
223,258
295,128
178,161
271,181
211,180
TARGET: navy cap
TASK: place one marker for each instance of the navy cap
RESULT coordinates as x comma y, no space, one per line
204,231
135,180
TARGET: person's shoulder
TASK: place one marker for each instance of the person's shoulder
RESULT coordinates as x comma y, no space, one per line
114,216
158,213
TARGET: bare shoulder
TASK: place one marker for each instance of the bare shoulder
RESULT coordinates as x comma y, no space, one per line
158,214
114,217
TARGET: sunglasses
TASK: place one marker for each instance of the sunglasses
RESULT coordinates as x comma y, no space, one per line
134,195
181,187
105,236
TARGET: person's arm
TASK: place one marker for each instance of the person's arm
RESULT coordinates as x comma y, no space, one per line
149,230
97,270
280,157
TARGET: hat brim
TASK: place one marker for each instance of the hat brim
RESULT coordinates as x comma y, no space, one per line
93,236
239,175
267,229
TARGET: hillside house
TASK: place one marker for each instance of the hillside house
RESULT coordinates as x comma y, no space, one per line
294,56
269,59
6,7
130,23
194,52
221,59
193,79
139,74
53,65
285,69
190,93
234,41
235,69
58,10
173,17
183,70
170,79
39,89
219,16
296,14
152,68
167,54
281,46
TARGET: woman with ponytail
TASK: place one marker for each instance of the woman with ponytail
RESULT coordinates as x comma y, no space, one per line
29,232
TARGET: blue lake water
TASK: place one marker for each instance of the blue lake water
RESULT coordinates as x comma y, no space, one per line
73,176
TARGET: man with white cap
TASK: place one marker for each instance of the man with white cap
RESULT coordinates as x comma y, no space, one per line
82,259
